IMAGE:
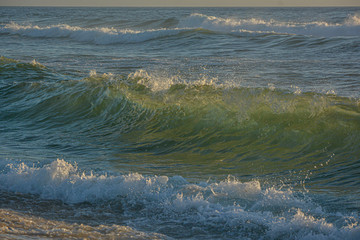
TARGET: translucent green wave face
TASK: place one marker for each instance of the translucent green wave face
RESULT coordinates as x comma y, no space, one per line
178,127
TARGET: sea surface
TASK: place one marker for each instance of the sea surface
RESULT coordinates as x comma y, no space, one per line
179,123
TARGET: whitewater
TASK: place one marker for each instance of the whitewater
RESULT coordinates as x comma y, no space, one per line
179,123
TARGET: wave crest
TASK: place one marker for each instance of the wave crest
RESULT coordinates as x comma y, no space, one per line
111,35
350,27
101,36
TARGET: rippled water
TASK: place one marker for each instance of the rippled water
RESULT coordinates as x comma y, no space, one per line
185,123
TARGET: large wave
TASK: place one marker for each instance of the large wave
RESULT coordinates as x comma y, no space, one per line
144,116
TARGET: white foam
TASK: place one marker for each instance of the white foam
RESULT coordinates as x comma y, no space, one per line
35,63
95,35
353,20
159,80
105,35
245,208
350,27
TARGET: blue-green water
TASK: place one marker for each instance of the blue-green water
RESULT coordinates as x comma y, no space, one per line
184,123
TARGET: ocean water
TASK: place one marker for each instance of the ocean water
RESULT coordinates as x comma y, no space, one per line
179,123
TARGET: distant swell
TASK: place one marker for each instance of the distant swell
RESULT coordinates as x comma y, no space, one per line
196,21
350,27
99,35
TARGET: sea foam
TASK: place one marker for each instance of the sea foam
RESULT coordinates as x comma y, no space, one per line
244,209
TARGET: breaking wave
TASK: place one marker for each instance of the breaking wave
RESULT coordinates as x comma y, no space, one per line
100,36
156,116
228,208
194,22
350,27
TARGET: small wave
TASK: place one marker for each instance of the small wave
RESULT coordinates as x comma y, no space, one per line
8,61
226,208
101,36
350,27
24,71
5,60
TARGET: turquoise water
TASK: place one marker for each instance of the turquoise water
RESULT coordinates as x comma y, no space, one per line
184,123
